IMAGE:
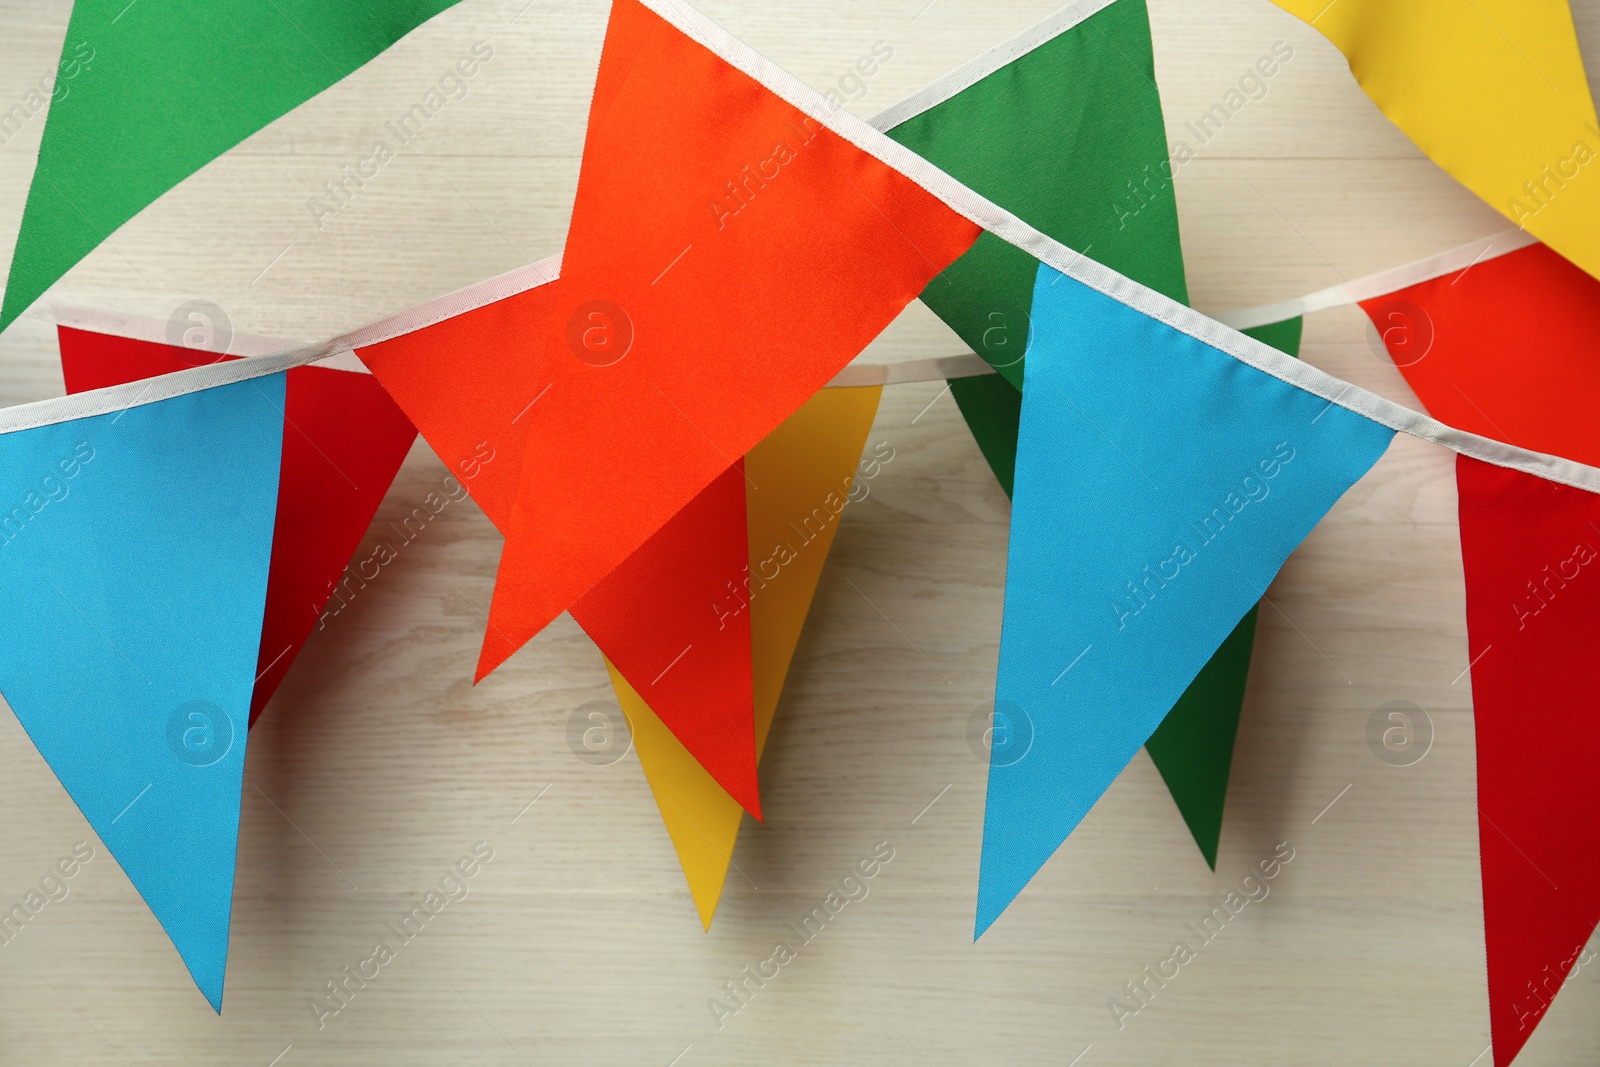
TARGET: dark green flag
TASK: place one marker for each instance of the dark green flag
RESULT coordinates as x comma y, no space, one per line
1069,136
1193,746
149,92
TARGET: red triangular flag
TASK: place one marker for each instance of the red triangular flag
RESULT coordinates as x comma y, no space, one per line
675,601
468,385
1504,349
343,442
727,256
1531,554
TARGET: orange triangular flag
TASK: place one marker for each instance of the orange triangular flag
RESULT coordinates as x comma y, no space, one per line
728,254
466,383
466,386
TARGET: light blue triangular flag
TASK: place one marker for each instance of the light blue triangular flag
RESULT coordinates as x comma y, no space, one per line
1160,486
134,548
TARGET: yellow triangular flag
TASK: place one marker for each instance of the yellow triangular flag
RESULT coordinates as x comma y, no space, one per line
1494,92
798,480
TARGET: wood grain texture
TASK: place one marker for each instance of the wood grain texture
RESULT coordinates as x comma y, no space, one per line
378,764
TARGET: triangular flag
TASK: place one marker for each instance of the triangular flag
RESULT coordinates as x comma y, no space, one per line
1193,746
343,443
1069,138
1504,349
467,384
1055,135
728,255
147,94
992,408
136,554
677,599
1495,93
800,477
1533,624
1152,511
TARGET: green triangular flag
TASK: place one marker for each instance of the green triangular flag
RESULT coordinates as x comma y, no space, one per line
1193,746
147,93
1069,136
992,407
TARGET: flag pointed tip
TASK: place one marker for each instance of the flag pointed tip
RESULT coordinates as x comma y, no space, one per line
746,792
495,651
206,965
985,918
210,972
992,900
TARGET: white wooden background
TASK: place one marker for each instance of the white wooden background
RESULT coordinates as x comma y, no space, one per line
379,764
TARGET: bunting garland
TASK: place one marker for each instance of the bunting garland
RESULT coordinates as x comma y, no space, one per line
1193,745
466,384
1498,344
1491,336
1067,136
667,434
676,599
